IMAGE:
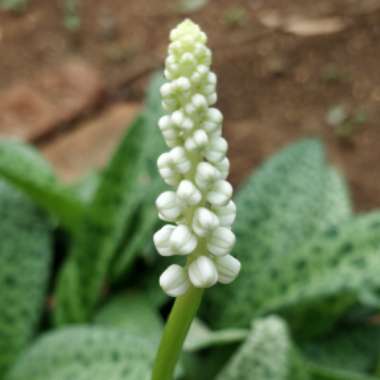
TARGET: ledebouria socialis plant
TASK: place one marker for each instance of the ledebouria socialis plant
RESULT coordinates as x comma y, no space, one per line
199,209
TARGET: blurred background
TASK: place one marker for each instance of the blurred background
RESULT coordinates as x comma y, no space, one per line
73,75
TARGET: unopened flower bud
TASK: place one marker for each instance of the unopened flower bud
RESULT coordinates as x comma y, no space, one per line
197,140
204,221
221,241
188,194
174,280
206,174
180,160
168,206
223,167
182,241
228,268
203,273
167,172
220,193
216,150
161,240
226,214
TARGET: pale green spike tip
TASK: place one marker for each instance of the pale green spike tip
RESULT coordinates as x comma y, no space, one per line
188,28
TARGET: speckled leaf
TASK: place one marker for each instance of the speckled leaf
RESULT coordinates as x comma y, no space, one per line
200,336
267,354
337,204
86,353
25,255
354,348
25,168
133,313
315,284
277,210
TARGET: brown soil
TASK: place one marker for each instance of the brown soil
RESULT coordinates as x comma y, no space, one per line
275,85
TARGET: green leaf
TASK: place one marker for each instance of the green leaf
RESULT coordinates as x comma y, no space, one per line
322,373
23,166
317,283
267,354
354,348
101,230
150,185
25,255
337,204
277,210
133,313
86,353
201,337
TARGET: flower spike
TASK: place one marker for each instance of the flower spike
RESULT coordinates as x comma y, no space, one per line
200,205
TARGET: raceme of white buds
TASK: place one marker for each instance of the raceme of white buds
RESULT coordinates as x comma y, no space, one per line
199,209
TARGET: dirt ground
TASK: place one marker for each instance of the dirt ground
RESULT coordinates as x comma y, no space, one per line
287,69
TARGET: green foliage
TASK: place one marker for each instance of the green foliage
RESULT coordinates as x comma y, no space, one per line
304,256
24,167
25,255
355,348
120,213
142,224
267,354
201,337
279,208
100,231
335,269
86,353
133,313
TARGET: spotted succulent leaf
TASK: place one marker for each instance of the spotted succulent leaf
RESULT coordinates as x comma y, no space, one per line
267,354
86,353
25,255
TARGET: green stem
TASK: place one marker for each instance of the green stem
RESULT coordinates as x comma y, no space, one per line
176,329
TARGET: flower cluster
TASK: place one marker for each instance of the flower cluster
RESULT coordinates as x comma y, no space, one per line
200,211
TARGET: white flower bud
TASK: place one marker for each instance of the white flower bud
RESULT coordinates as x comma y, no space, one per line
223,167
174,281
212,98
204,222
216,150
167,172
220,193
214,115
228,268
177,118
188,194
206,174
183,83
221,241
168,206
199,102
161,240
180,160
166,90
168,131
226,214
182,241
198,140
203,273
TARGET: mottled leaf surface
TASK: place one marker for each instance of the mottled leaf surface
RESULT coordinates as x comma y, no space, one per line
25,255
267,354
86,353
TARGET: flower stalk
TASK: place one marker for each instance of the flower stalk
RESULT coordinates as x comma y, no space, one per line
199,211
